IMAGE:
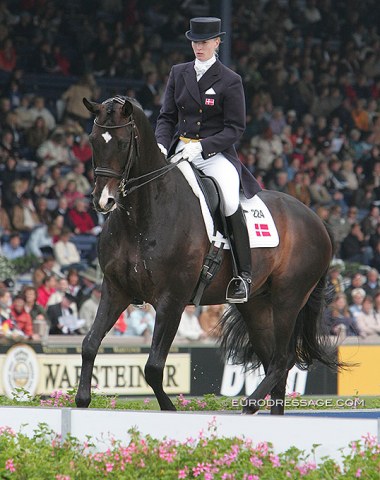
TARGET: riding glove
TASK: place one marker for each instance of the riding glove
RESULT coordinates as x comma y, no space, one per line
191,150
163,149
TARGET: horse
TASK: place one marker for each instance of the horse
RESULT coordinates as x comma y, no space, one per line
152,248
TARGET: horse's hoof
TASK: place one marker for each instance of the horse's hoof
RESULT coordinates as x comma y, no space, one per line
82,402
169,408
249,410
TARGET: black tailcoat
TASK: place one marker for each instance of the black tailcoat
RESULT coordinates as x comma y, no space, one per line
212,110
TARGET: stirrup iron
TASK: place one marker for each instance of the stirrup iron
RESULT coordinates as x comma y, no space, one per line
230,298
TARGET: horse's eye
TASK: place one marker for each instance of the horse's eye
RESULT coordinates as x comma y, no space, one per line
123,145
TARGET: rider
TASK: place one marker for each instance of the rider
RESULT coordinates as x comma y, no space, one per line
203,113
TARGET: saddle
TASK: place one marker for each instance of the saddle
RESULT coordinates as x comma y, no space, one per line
212,193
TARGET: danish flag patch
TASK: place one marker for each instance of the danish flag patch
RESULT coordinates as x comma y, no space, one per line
262,230
209,101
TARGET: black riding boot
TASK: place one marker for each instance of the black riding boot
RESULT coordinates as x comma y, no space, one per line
238,289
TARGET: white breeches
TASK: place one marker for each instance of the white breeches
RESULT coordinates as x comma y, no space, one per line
220,168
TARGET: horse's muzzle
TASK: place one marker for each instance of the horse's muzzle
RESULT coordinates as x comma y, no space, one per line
108,207
105,202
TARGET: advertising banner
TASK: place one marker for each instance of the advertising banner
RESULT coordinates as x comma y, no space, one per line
119,371
212,375
364,378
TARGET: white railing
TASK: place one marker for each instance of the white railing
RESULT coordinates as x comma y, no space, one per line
103,425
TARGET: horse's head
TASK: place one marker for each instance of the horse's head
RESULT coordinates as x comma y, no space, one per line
114,140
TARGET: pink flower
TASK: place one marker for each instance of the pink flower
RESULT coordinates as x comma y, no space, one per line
167,455
275,460
358,473
8,431
203,468
183,473
212,423
294,395
256,462
9,465
146,400
182,400
369,440
263,447
113,403
109,467
302,469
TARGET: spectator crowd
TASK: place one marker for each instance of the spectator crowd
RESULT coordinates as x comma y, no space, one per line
311,73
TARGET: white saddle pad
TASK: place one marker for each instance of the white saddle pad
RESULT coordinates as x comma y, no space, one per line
261,227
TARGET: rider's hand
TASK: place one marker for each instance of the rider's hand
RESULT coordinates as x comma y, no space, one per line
163,149
191,150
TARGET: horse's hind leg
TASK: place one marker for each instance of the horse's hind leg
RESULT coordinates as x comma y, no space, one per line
270,333
111,305
279,391
168,317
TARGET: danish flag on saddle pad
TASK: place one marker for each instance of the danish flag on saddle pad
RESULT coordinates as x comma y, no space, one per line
209,101
262,230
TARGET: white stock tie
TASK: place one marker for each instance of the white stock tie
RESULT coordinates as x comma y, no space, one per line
202,67
200,71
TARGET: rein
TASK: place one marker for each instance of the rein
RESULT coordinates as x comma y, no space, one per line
124,184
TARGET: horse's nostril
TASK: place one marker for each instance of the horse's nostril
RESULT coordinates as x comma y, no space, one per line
108,205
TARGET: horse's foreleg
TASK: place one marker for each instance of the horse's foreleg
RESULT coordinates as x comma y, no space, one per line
165,328
110,307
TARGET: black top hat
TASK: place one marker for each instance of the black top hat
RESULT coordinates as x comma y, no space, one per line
204,28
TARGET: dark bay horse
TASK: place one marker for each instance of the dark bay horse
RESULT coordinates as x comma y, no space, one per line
152,248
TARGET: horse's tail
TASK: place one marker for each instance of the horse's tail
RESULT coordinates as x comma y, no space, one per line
234,340
312,338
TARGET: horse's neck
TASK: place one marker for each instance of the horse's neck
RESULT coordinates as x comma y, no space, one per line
159,200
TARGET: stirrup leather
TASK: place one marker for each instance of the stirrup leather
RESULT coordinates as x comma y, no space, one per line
246,284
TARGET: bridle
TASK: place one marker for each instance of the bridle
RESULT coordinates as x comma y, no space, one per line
134,139
126,184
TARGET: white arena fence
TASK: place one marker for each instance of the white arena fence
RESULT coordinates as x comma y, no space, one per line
103,426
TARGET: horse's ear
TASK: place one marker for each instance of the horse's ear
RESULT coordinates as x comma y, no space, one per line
92,107
127,108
